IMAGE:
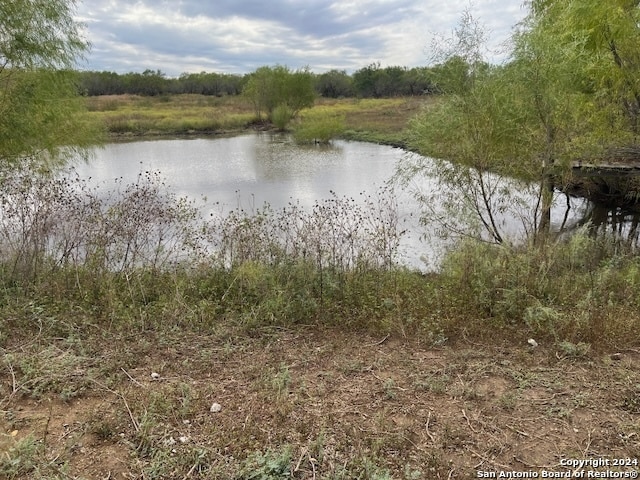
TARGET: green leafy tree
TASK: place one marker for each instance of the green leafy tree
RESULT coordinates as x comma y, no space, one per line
39,44
569,92
576,70
366,81
601,41
271,87
334,84
474,126
419,81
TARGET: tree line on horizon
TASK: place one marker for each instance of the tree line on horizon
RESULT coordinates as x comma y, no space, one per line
372,81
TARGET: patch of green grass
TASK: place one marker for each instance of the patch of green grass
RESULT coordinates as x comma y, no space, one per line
319,128
269,465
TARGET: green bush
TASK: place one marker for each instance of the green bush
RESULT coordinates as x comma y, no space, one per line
319,129
281,116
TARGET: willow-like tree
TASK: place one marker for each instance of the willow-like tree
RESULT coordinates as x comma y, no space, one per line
600,41
469,132
575,77
40,43
570,92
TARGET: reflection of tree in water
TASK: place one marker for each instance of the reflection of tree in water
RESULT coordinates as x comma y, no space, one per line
621,222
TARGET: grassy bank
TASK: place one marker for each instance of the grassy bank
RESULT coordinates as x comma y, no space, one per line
297,350
378,120
366,373
130,115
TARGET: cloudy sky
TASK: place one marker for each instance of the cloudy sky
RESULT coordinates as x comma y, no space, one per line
238,36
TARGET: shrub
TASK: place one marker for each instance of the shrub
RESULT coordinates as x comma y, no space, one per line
319,129
281,116
581,289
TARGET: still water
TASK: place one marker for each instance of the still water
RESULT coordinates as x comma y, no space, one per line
249,170
246,171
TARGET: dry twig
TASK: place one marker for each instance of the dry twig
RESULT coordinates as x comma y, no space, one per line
378,343
131,378
427,428
464,414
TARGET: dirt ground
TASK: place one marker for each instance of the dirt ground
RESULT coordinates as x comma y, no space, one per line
326,403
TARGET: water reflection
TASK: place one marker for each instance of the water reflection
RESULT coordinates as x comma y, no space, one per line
622,223
248,170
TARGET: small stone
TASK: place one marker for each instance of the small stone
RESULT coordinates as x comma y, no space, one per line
183,439
215,408
155,375
186,422
532,342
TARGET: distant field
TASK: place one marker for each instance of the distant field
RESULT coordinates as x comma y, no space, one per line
381,120
179,114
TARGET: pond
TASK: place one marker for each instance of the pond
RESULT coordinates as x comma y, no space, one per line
246,171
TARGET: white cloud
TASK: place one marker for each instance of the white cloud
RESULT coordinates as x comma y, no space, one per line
241,35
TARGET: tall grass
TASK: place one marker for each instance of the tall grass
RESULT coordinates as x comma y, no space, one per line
319,129
582,289
139,249
379,120
74,259
281,116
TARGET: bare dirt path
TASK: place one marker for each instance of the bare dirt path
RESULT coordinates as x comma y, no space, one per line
316,404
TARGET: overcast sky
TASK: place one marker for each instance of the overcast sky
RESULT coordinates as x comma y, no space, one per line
238,36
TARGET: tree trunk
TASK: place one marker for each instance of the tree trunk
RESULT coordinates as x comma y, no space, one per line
546,194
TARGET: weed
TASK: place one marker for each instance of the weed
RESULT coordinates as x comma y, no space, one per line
104,429
631,400
49,370
21,458
281,382
389,389
574,350
270,465
169,463
437,338
544,290
412,474
508,400
186,400
433,383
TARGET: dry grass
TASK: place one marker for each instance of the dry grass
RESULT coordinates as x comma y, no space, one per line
382,120
318,403
175,114
368,119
